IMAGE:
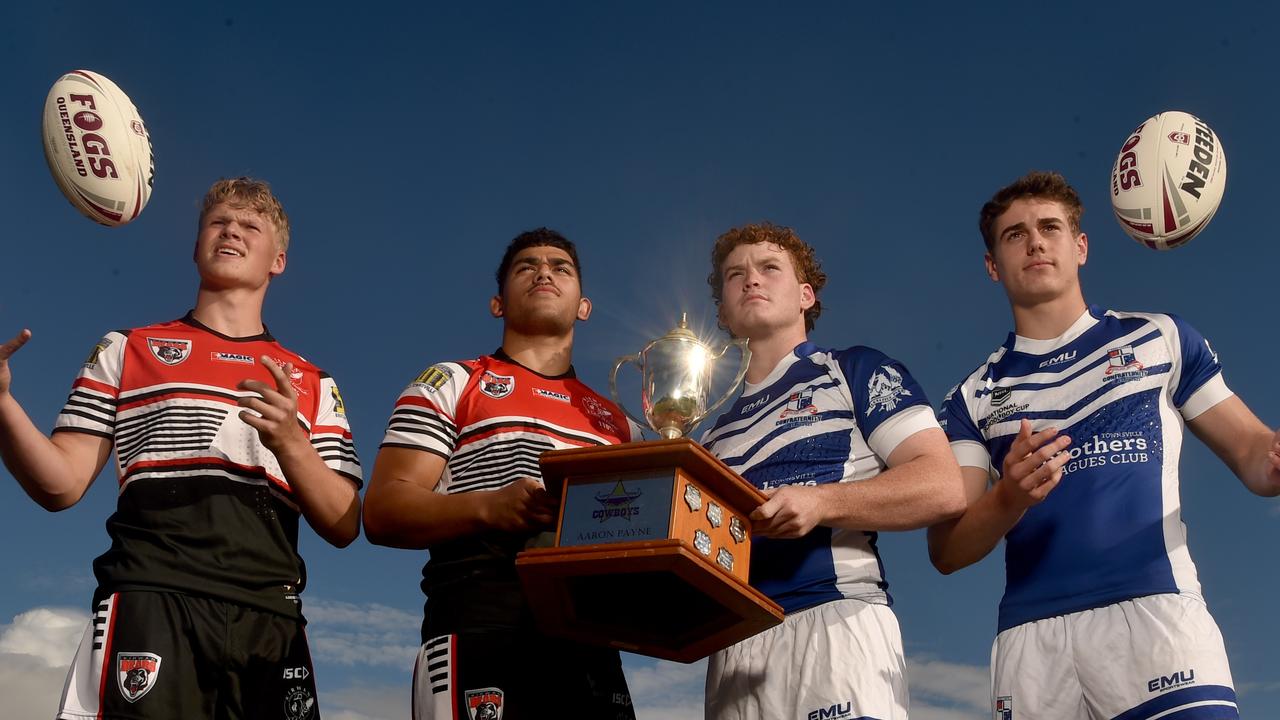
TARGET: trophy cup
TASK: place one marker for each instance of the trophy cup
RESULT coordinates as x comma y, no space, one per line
652,548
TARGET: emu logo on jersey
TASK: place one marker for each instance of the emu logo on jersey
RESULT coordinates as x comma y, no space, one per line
620,502
497,386
168,351
885,390
484,704
1123,365
137,673
1004,707
298,703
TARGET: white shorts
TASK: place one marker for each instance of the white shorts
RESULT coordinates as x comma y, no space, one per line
1159,656
842,659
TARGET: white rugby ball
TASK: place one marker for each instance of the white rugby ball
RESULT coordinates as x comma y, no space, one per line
97,148
1168,179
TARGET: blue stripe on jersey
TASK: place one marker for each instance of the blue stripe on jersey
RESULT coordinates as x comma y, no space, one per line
1064,380
1018,364
1221,699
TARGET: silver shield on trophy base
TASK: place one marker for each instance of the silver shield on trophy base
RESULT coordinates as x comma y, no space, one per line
676,371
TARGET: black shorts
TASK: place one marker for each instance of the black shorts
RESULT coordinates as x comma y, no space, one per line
162,655
517,676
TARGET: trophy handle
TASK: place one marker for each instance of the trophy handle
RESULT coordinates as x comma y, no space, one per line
613,386
741,344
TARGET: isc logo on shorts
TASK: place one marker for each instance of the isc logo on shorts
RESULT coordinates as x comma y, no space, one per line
137,673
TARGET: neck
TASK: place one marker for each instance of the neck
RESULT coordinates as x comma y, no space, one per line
234,313
1048,319
769,350
544,354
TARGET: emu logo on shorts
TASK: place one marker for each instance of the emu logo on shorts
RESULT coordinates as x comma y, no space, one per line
1004,707
137,673
298,703
484,704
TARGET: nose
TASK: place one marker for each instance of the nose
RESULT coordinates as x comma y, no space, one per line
231,229
543,273
1035,242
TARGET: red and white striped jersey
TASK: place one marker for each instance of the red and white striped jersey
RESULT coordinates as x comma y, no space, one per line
203,506
491,418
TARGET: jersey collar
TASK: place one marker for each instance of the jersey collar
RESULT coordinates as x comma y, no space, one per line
501,356
190,319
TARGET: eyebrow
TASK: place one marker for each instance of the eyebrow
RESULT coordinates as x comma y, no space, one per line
1040,222
554,262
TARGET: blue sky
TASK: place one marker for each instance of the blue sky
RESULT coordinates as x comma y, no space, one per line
410,143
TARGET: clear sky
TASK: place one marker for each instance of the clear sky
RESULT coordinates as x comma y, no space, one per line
409,143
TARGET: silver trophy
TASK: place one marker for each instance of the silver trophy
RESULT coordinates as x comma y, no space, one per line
676,370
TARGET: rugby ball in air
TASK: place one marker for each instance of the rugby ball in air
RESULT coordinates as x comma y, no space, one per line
97,148
1168,180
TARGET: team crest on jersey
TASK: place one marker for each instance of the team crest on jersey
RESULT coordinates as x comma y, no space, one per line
484,704
1004,707
1123,365
91,362
799,403
298,703
169,351
497,386
137,674
885,390
434,377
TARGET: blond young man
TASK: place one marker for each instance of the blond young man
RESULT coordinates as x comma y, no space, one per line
223,440
845,445
1068,437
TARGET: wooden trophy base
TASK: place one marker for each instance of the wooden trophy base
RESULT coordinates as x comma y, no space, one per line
652,551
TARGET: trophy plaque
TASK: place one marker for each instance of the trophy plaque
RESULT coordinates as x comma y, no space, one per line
653,539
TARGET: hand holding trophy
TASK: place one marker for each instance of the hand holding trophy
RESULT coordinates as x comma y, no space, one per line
652,546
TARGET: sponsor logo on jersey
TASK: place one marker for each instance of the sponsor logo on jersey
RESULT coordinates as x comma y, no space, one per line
1000,396
433,377
1169,682
1001,415
618,503
232,357
497,386
885,390
299,702
601,416
91,362
799,402
1059,358
831,712
754,405
1123,365
484,704
1113,448
169,351
137,674
295,376
1004,707
551,394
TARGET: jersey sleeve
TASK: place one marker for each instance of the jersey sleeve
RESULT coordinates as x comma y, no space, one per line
424,417
889,404
91,407
967,441
1199,384
331,432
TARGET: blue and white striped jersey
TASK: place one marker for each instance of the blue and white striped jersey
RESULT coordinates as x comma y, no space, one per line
1121,385
821,416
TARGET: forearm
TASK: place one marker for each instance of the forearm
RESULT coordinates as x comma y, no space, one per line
40,466
916,494
402,514
967,539
328,500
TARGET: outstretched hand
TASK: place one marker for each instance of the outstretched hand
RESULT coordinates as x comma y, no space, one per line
274,412
1033,466
6,351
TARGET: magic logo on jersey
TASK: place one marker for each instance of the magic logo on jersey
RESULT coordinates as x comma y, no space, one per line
497,386
618,503
885,390
168,350
137,674
484,704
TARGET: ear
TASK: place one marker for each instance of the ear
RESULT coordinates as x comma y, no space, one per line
1082,249
992,272
584,309
495,306
807,296
277,265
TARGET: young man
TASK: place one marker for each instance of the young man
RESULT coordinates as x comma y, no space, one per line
222,439
458,474
845,445
1068,437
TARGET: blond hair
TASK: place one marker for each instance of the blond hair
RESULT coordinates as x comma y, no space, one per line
256,195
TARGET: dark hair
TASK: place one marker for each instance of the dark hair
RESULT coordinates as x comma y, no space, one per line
803,259
1035,184
541,237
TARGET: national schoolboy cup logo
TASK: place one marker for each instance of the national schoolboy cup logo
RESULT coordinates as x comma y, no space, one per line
137,674
168,350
